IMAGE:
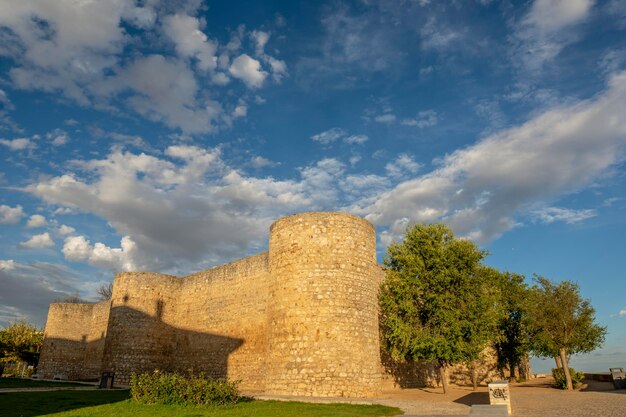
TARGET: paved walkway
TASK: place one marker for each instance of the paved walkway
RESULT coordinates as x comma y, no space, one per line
533,399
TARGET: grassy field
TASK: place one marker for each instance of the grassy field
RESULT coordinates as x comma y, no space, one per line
116,403
30,383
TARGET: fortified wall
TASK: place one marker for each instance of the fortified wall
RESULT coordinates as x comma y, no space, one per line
300,319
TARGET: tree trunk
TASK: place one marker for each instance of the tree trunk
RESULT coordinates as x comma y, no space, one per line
474,376
511,371
568,377
443,374
558,362
523,368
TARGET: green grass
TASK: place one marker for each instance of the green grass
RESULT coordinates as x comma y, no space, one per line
116,404
30,383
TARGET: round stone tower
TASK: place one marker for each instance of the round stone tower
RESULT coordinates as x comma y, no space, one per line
323,318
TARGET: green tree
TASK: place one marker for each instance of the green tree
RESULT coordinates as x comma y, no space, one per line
436,301
512,344
562,322
20,342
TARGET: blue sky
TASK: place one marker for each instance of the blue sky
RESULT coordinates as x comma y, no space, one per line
169,135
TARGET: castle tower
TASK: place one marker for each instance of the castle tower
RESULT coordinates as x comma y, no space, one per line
323,321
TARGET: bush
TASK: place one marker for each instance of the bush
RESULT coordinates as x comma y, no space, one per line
173,388
559,377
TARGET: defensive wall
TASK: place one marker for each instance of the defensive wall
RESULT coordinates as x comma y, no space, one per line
300,319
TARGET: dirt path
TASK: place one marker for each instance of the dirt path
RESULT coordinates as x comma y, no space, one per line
534,399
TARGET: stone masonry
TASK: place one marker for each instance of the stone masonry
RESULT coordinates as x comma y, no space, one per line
300,319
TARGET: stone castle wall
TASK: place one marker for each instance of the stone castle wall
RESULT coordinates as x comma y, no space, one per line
300,319
74,340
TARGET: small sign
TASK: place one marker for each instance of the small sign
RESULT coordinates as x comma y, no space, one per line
499,394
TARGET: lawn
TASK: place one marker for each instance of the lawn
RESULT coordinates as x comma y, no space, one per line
31,383
115,403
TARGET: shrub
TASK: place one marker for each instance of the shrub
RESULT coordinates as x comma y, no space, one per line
559,377
173,388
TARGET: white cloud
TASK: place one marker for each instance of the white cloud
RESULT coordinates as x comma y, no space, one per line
9,215
190,41
356,139
7,265
165,90
86,52
260,38
36,220
404,164
554,15
37,242
203,199
438,36
546,29
18,144
248,70
260,162
481,189
241,110
65,230
329,136
58,137
385,118
424,119
332,135
78,249
569,216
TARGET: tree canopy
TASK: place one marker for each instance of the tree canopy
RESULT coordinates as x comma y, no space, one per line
562,322
437,302
512,343
20,342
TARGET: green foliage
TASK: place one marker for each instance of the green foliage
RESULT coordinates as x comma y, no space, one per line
173,388
20,342
561,319
559,377
512,344
438,300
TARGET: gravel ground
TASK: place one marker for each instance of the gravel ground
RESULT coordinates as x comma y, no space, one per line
534,399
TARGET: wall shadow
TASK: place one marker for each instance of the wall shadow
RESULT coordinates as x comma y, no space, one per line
409,374
30,404
138,342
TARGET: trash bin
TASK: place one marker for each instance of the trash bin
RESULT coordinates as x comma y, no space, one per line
619,378
106,381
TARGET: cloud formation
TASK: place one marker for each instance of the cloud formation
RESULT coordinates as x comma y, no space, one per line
480,190
10,215
40,241
90,53
29,288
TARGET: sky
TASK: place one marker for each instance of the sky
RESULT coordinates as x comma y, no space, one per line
168,136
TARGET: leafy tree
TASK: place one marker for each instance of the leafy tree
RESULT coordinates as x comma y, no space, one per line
105,291
436,304
512,344
562,322
20,342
